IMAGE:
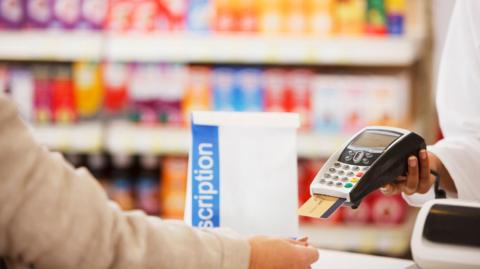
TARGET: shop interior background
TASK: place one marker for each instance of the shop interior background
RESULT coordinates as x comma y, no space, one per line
110,84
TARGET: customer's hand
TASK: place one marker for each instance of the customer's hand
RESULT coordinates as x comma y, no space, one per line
274,253
418,178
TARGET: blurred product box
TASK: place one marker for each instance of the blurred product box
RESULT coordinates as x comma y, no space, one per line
376,21
42,96
197,92
171,92
39,13
116,77
247,93
94,13
223,85
67,13
147,185
88,88
340,102
350,17
63,97
120,15
144,16
12,14
176,12
274,84
199,15
174,184
320,17
121,189
21,85
298,95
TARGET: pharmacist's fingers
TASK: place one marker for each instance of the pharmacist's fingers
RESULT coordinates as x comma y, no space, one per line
411,185
426,180
390,189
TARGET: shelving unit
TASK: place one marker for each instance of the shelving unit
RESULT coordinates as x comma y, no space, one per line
241,48
217,48
128,138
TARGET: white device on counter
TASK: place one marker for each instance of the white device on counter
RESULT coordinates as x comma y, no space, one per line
447,235
372,158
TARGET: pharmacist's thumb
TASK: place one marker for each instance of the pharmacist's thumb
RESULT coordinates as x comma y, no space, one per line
308,254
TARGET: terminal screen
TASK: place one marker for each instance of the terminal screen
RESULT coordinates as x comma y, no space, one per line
373,139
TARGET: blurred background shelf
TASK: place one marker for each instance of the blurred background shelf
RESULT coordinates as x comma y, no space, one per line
242,48
52,45
218,48
129,138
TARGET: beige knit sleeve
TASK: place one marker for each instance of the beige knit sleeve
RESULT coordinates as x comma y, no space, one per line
52,216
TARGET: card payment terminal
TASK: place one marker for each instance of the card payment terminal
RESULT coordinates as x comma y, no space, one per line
374,157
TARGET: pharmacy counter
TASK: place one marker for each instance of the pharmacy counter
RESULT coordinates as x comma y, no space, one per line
344,260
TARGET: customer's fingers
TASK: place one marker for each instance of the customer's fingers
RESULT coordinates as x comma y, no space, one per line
411,185
309,254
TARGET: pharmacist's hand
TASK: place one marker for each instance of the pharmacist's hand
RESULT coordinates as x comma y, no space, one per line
418,179
275,253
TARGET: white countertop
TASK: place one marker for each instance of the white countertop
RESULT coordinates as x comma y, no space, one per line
330,259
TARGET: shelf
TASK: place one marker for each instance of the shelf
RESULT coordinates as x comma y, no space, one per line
128,138
391,240
54,45
241,48
84,137
50,45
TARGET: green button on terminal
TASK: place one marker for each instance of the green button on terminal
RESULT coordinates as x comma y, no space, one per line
348,185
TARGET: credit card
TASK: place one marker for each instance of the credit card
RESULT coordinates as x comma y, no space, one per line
320,206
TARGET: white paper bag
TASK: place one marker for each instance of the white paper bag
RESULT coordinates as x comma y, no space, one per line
243,172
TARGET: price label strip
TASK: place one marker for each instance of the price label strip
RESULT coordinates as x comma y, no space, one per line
320,206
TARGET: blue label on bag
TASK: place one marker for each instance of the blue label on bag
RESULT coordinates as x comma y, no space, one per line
205,177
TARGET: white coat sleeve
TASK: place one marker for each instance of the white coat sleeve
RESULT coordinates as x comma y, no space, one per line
458,103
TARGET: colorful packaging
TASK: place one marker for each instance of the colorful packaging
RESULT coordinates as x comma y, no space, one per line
94,13
120,15
247,94
88,88
42,94
320,17
199,15
63,97
39,13
350,17
396,16
22,90
248,16
376,22
271,16
116,79
147,187
327,95
176,11
67,13
224,19
144,95
144,16
295,17
173,190
12,13
274,87
170,94
121,190
298,95
223,85
197,93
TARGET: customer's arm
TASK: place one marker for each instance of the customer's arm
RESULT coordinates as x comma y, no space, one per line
53,216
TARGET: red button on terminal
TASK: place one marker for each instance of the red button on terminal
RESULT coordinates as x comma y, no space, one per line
359,174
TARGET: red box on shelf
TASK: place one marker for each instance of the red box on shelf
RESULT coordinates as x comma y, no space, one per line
274,87
120,15
297,95
144,16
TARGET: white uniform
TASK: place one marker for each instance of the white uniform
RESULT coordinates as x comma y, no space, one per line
458,104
